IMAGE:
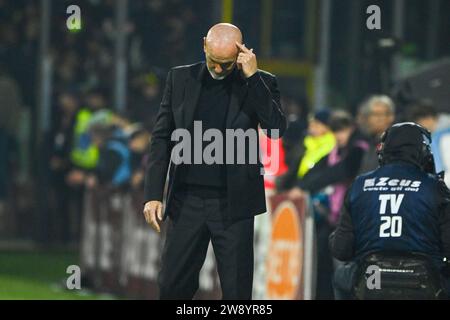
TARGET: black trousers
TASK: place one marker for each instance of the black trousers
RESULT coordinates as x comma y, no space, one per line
194,222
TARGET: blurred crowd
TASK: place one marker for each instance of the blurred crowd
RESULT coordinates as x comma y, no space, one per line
91,144
85,59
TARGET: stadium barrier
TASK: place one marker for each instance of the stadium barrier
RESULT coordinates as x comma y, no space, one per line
120,253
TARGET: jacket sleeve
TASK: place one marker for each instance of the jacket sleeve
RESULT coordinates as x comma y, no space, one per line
264,96
341,241
160,147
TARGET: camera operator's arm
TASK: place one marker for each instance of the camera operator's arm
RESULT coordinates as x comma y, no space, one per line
341,241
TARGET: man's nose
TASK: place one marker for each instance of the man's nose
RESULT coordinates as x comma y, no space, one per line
217,68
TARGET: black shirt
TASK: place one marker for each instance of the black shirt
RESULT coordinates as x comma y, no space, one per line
212,108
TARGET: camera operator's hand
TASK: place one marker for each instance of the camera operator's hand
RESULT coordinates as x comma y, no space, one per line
152,212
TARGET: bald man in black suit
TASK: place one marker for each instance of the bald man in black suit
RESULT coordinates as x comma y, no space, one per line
211,202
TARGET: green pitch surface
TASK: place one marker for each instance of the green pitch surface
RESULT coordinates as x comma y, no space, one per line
26,275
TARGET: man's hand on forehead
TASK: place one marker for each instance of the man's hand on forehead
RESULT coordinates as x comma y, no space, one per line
246,60
243,48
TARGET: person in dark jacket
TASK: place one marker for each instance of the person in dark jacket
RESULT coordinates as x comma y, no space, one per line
114,165
211,202
402,206
60,143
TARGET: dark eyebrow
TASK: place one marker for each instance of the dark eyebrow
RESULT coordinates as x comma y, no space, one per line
213,60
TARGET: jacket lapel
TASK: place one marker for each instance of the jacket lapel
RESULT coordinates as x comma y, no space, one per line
193,89
238,91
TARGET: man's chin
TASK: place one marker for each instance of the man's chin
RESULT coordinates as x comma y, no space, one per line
216,76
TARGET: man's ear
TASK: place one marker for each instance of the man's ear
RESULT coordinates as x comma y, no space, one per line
204,44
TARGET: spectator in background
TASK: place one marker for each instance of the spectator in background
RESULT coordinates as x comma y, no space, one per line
60,142
66,70
145,98
139,141
122,147
327,182
375,115
84,60
341,166
62,131
316,145
84,155
114,164
424,113
306,156
297,115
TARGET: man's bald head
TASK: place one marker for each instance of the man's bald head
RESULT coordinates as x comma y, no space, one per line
220,41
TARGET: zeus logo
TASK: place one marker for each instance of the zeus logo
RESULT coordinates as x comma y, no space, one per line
73,22
386,181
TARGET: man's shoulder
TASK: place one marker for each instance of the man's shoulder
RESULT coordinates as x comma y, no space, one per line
178,73
266,74
361,178
188,67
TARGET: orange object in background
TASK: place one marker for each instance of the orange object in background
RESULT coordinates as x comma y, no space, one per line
286,250
268,153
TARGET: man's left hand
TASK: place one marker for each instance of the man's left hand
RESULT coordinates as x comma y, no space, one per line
246,60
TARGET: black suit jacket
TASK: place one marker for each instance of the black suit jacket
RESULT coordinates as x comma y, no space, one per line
253,101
